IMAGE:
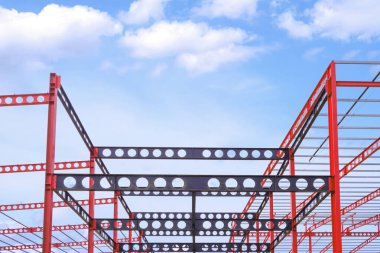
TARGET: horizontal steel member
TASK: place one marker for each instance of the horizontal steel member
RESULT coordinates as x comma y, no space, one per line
198,247
193,153
188,194
197,183
199,224
357,84
24,99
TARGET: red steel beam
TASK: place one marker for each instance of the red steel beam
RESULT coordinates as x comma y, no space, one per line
359,159
295,128
349,208
328,246
64,244
34,167
91,207
7,231
365,243
40,205
357,84
24,99
55,83
355,162
363,223
332,108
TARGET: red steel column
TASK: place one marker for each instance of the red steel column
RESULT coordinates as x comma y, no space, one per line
271,216
116,216
91,204
334,159
55,82
293,204
310,244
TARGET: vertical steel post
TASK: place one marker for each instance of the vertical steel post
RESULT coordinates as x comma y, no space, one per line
91,203
293,204
116,216
55,82
248,239
271,216
334,159
257,230
310,244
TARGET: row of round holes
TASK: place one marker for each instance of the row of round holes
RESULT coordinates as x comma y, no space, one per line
184,233
231,183
202,216
225,216
185,193
186,247
244,224
163,215
144,224
182,153
33,167
19,100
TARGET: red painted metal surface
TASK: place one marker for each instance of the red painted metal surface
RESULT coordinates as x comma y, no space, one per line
62,245
357,84
35,167
24,99
334,158
327,83
365,243
55,83
56,204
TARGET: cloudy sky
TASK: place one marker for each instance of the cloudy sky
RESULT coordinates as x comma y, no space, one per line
170,73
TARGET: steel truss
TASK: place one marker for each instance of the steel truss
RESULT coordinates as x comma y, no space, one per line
258,228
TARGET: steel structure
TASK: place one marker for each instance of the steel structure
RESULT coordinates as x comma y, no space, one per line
319,192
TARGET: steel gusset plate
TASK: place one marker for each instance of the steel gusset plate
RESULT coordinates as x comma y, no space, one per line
197,183
187,224
193,153
198,247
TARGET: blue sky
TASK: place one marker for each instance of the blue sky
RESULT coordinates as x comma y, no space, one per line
172,72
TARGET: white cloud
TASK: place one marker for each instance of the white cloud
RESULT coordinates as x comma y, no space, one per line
55,32
336,19
196,46
313,52
227,8
159,69
295,28
142,11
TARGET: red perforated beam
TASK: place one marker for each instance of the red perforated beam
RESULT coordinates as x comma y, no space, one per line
359,159
40,205
349,208
365,243
61,245
363,223
33,167
7,231
24,99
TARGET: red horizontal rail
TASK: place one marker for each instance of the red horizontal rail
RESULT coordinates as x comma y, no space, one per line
320,234
363,223
24,99
33,167
7,231
365,243
357,84
63,244
40,205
